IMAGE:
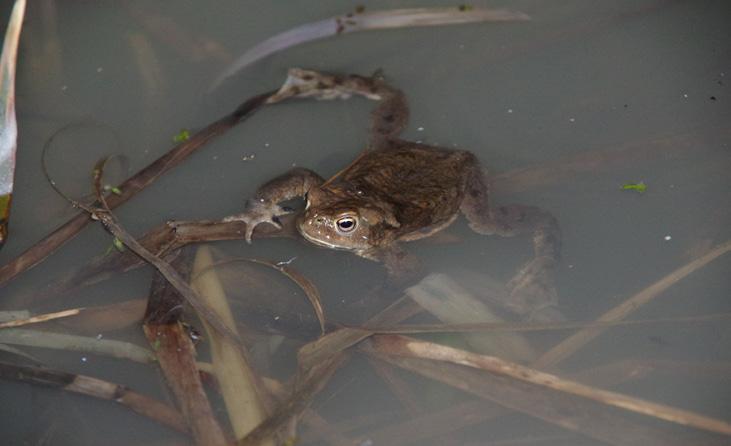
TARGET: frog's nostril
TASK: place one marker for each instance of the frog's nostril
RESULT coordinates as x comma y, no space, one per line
319,220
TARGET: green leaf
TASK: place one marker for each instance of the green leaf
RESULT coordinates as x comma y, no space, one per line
113,189
639,187
118,244
182,136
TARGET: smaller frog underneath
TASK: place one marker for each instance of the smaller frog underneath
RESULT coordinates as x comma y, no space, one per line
398,191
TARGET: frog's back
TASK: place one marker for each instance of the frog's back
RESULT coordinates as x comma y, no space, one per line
423,184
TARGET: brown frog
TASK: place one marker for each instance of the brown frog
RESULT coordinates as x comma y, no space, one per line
398,191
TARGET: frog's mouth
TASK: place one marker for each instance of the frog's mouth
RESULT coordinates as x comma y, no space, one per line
322,243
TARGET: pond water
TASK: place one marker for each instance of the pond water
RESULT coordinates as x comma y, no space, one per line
586,97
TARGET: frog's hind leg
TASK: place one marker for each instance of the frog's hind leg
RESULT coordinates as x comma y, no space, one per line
532,288
388,119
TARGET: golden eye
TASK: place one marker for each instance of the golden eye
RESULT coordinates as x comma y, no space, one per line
346,224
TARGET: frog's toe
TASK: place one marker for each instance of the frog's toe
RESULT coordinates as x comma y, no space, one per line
533,287
255,220
256,213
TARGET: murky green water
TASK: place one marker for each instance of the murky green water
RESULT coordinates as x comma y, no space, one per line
580,80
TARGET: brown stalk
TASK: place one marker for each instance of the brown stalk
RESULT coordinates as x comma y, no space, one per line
177,358
105,216
130,188
575,414
86,385
404,346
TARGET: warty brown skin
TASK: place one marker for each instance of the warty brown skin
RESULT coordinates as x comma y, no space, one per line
398,191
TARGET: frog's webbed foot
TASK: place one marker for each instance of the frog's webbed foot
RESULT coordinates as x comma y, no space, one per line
533,287
257,212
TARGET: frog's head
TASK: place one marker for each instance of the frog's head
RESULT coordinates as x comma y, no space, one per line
347,224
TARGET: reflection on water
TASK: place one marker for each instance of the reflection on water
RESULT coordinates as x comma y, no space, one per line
565,110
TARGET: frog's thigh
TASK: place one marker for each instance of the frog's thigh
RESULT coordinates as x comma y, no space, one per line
476,205
507,220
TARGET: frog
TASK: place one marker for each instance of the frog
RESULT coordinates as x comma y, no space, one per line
397,191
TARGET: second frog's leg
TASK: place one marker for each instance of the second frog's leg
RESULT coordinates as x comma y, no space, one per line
264,206
388,119
532,288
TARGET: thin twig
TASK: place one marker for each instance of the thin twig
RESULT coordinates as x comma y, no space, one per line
42,318
579,339
486,327
86,385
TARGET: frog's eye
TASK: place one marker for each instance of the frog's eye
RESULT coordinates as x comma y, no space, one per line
346,224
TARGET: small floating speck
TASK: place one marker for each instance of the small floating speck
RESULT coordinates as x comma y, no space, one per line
99,336
248,157
286,262
667,238
276,318
685,95
99,69
84,359
64,87
572,119
420,129
266,144
510,110
214,157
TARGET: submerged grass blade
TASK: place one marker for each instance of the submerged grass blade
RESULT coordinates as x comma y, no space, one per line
237,380
366,21
83,344
8,124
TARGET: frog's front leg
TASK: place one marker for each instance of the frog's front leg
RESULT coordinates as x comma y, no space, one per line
532,288
402,266
388,119
264,206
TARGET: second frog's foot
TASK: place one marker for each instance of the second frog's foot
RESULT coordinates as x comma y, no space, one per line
533,287
256,213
